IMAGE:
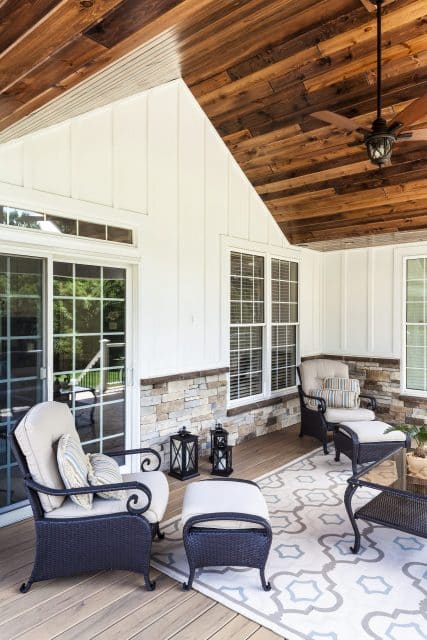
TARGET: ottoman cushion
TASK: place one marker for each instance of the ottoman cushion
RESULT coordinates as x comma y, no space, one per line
210,496
373,431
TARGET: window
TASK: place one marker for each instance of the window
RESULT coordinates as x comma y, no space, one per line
57,224
263,325
284,319
416,324
247,325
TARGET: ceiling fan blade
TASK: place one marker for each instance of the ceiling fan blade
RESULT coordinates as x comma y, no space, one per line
337,120
416,134
415,111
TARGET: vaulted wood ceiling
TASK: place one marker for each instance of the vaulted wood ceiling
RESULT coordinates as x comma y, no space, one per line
259,68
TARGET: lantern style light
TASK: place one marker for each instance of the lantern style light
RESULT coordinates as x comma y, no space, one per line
379,143
221,452
184,455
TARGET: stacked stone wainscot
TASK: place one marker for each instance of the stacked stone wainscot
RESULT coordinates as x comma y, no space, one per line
198,400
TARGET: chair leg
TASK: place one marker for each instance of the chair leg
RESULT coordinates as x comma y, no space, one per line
150,585
265,585
325,444
187,585
337,455
26,586
158,533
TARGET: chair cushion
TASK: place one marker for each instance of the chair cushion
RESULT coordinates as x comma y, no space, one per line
335,415
206,497
73,466
156,481
37,434
105,470
373,431
313,372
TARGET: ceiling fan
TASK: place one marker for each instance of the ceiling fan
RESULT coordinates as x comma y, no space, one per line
380,138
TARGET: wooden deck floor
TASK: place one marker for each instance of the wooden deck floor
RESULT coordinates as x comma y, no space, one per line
113,605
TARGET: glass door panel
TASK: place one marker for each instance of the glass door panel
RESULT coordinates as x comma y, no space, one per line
21,359
89,347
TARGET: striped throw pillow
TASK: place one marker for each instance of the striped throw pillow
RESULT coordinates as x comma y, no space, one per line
342,384
335,398
105,470
317,393
73,468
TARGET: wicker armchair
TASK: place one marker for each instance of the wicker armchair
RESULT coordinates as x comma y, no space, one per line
318,421
114,534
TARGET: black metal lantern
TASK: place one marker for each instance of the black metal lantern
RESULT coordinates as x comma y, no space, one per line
184,455
219,438
221,452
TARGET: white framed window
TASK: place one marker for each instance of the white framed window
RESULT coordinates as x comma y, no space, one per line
263,325
247,324
415,333
284,323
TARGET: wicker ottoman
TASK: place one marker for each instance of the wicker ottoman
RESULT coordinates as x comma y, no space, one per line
226,523
366,441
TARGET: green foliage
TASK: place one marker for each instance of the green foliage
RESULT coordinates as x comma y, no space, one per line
418,433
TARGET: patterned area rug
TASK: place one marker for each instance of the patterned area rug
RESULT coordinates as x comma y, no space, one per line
320,590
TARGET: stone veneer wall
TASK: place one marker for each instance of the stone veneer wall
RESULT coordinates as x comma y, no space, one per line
197,400
380,377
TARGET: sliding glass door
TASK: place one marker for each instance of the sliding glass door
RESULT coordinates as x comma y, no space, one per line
87,335
89,350
22,359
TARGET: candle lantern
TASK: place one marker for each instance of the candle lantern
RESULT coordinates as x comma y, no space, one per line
184,455
221,452
219,438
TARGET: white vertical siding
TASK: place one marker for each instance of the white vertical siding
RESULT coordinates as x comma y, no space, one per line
156,161
130,154
92,157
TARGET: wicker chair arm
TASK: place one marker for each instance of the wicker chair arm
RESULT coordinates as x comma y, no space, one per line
372,402
145,461
351,434
241,517
321,403
132,499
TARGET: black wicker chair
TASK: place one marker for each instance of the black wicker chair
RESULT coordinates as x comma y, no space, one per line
73,545
314,422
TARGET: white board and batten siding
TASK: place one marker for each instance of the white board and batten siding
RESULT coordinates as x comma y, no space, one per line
363,290
154,162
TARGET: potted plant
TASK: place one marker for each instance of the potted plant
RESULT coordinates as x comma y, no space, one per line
416,459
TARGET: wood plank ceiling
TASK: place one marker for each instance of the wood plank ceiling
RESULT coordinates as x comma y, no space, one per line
258,68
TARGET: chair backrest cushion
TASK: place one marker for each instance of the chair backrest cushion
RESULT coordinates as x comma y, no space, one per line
313,372
37,434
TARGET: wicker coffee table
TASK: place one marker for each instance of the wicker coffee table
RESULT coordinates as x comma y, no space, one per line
401,503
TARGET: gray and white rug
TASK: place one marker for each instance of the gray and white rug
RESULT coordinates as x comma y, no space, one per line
320,590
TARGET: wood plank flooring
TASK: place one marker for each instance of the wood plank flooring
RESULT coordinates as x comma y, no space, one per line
113,605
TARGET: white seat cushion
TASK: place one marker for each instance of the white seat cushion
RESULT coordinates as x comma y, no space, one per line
156,481
210,496
37,434
336,415
373,431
